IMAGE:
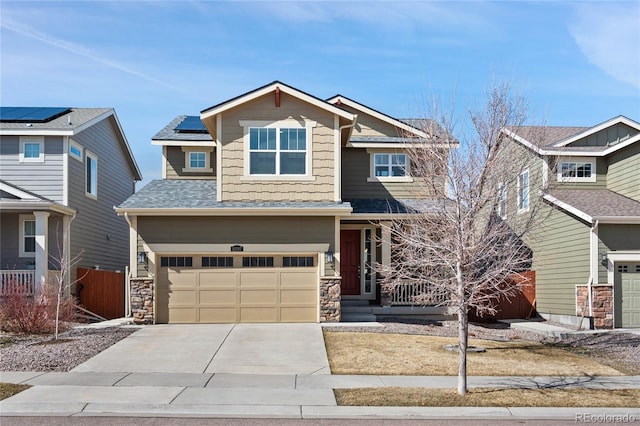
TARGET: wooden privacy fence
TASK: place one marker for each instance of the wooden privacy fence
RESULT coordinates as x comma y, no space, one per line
521,306
101,292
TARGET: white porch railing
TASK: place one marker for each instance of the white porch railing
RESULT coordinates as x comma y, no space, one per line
411,294
17,282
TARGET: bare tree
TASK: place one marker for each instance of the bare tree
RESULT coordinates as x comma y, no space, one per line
64,263
458,251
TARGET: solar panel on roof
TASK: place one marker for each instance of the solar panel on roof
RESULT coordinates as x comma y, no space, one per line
31,114
191,124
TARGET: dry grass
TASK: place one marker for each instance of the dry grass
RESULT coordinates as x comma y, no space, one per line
10,389
488,397
403,354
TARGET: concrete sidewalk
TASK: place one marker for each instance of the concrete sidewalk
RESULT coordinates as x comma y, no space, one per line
264,395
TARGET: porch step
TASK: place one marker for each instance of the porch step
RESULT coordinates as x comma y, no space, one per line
353,317
356,311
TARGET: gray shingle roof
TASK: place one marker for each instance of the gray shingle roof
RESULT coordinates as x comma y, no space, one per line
201,194
168,133
547,136
598,203
77,117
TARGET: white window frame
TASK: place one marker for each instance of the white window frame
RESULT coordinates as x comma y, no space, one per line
22,219
188,150
290,123
94,158
372,167
74,145
521,207
502,200
24,140
578,161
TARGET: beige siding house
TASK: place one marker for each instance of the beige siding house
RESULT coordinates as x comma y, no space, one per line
269,210
587,253
59,165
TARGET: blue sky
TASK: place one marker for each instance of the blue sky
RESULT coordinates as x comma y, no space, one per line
578,63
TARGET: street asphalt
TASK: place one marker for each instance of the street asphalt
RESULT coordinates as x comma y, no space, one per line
250,371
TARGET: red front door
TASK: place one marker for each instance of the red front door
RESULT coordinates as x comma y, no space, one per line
350,262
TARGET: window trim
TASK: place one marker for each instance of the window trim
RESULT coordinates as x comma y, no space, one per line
290,123
188,150
502,200
90,156
31,140
372,167
521,208
578,160
79,147
22,219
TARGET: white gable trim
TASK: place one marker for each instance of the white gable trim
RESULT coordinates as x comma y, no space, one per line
382,117
17,192
268,89
568,207
599,127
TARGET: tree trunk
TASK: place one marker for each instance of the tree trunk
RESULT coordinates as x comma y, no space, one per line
463,337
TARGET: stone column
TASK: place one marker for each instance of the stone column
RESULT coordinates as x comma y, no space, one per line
330,299
142,300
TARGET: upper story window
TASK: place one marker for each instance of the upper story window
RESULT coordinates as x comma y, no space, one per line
91,175
581,170
197,159
75,151
502,200
27,235
523,191
277,151
389,167
31,149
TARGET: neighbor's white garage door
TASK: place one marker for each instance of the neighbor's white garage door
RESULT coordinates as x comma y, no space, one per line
630,303
266,291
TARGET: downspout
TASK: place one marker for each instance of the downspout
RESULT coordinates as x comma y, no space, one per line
127,301
594,261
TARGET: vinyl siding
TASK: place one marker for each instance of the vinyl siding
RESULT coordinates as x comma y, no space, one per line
616,238
10,243
101,235
624,172
234,188
609,136
44,179
561,261
176,162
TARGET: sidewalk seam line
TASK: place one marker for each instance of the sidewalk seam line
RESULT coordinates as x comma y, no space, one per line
219,347
177,395
121,379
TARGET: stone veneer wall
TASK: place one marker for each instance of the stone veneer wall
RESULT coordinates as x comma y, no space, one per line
330,299
142,300
602,299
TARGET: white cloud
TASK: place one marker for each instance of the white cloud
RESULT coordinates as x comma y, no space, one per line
609,36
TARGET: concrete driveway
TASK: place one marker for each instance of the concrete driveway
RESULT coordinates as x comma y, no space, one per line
217,348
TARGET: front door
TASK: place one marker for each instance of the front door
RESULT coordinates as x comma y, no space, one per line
350,262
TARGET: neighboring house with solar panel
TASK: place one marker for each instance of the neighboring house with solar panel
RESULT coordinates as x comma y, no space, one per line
587,253
269,210
59,165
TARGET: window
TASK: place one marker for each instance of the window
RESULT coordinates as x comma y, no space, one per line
623,268
257,261
217,262
31,149
197,160
277,151
523,191
502,200
179,261
91,176
390,165
75,151
576,171
27,236
297,261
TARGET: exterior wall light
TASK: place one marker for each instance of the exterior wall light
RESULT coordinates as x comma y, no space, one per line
328,255
142,257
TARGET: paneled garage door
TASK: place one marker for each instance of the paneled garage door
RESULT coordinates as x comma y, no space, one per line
629,305
230,289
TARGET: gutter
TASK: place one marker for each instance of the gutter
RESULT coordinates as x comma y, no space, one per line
594,261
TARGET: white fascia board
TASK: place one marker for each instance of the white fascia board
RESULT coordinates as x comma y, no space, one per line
622,220
397,123
522,141
270,88
397,145
36,205
182,143
599,127
35,132
603,153
17,192
236,211
569,208
383,216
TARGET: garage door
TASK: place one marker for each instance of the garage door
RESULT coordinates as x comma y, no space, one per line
629,301
230,289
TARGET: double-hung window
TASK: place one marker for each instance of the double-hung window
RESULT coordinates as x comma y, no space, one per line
523,191
27,236
277,151
390,165
502,200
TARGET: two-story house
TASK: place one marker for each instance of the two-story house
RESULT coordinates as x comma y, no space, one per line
587,252
268,210
59,165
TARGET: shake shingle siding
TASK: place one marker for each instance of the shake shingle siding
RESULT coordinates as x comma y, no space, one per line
45,178
97,230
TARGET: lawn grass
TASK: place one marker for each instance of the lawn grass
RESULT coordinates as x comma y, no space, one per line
488,397
405,354
10,389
